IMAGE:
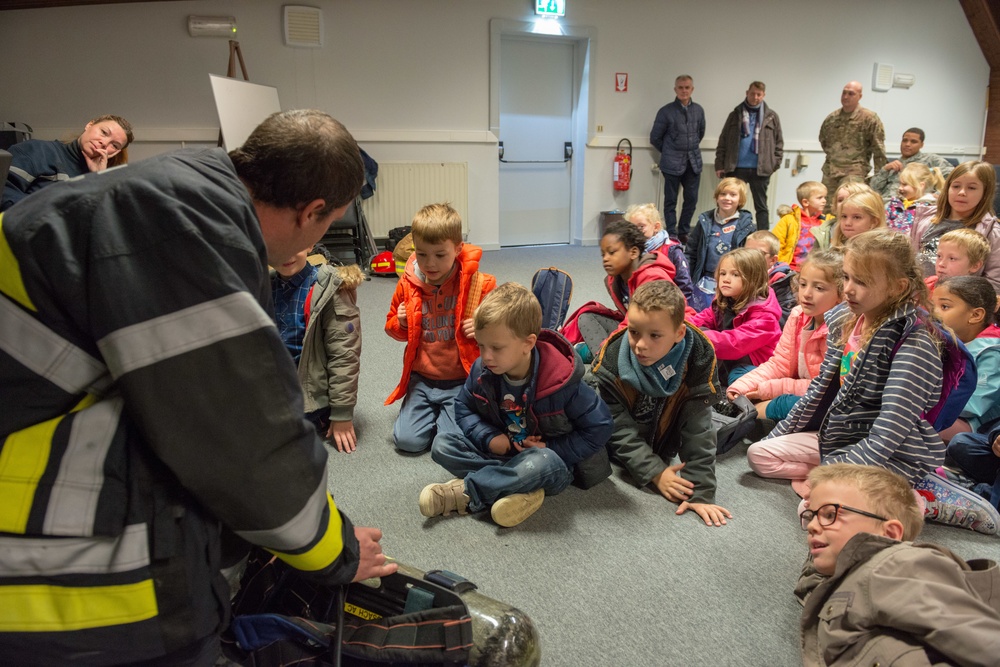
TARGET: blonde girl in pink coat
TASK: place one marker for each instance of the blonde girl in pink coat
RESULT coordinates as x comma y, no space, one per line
779,382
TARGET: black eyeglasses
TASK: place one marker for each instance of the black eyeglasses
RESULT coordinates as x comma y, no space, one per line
827,515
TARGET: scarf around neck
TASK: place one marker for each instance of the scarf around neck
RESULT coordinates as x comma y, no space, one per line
660,379
656,240
745,125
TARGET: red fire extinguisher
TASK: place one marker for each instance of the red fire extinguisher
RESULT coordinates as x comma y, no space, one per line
623,166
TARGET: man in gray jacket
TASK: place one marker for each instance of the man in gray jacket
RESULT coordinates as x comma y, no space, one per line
886,180
677,131
751,147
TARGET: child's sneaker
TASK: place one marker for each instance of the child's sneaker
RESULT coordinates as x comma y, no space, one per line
513,509
951,504
442,499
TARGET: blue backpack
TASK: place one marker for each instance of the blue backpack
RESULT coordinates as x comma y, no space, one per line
959,376
553,288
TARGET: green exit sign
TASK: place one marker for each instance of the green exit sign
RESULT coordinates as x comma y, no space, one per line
550,7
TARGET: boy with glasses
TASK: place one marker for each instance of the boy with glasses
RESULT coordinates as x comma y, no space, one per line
871,596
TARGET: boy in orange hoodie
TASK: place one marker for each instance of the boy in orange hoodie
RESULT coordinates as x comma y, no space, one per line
432,312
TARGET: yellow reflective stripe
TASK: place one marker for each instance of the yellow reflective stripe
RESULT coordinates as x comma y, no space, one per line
11,282
85,402
39,608
325,551
22,462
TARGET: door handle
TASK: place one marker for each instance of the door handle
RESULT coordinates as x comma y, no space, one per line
567,156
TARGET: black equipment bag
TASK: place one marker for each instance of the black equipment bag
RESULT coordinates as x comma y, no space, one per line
733,421
408,618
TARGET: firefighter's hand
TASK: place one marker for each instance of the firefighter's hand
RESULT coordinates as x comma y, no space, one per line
373,562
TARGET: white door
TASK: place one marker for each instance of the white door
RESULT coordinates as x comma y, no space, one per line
536,120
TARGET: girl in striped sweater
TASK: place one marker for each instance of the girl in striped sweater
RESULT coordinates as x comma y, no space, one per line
865,405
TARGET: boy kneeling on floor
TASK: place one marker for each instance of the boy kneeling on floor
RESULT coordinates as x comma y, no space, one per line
870,598
660,380
526,416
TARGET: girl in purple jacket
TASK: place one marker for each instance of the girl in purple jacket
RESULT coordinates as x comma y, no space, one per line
742,322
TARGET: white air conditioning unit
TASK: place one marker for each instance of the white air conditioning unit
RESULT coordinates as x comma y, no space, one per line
303,26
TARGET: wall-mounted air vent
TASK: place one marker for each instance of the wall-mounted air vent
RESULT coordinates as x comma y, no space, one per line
303,26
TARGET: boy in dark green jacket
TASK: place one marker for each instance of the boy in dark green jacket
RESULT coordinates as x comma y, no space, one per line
659,379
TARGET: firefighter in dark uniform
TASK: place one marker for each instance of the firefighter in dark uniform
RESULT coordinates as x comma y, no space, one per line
148,404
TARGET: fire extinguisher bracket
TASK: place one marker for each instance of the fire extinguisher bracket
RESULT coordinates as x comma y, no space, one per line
622,173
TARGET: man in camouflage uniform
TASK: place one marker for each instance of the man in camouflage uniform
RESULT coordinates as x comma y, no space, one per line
886,181
851,137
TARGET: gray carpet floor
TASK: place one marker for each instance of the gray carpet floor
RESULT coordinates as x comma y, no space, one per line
610,576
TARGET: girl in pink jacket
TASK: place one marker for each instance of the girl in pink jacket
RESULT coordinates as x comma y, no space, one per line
780,381
742,322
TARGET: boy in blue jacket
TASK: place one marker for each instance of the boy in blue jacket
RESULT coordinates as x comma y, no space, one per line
526,416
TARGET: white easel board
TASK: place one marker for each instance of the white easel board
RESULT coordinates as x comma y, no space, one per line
242,106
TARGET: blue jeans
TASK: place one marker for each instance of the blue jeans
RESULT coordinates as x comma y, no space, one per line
428,409
973,453
489,477
689,180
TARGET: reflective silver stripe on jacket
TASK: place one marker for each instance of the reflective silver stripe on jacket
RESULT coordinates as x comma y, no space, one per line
170,335
296,533
47,354
30,178
46,557
72,506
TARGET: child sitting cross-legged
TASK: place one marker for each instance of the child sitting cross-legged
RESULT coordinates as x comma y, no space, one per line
718,231
659,379
859,213
627,266
867,402
961,252
431,312
798,227
967,305
742,322
783,379
649,221
918,188
526,417
970,478
871,596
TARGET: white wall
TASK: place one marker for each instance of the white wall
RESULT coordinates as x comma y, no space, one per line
410,78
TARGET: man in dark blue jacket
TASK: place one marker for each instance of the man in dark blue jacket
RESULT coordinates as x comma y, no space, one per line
677,131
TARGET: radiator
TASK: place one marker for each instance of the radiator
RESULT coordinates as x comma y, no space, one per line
403,188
